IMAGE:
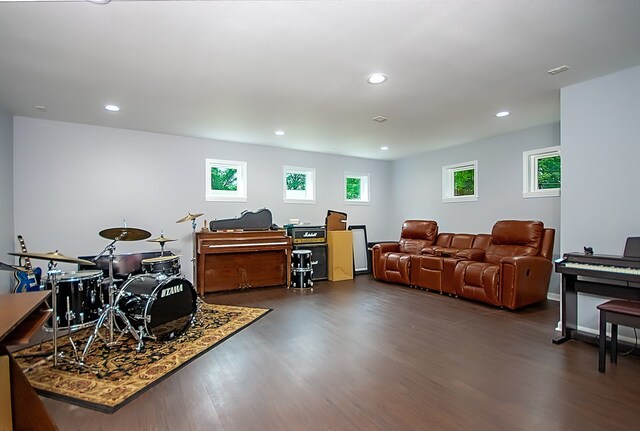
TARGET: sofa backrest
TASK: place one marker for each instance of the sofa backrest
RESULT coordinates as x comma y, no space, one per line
482,241
515,238
417,234
546,250
462,240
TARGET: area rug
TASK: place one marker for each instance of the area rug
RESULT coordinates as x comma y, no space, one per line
120,373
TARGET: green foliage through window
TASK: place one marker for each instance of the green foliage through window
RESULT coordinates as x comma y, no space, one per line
463,183
224,179
296,181
549,173
354,188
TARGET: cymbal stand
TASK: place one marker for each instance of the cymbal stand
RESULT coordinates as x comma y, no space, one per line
111,310
193,251
52,275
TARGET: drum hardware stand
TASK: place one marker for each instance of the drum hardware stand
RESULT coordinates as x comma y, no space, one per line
192,218
111,310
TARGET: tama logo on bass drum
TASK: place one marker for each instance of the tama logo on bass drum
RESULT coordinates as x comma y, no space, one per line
171,290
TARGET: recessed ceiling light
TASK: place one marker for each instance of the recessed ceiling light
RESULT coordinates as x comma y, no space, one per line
502,114
279,132
385,148
41,108
112,108
557,70
379,118
377,78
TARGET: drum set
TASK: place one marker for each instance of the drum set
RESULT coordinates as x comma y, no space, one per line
158,304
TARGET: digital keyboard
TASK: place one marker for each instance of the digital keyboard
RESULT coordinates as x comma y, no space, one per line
600,265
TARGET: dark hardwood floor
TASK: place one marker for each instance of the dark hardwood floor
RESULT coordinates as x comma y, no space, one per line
364,355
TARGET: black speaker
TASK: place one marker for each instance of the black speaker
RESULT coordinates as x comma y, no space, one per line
318,259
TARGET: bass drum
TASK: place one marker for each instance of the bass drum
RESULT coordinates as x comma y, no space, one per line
162,308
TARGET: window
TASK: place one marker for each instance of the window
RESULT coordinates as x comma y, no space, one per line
460,182
299,185
356,188
541,172
226,180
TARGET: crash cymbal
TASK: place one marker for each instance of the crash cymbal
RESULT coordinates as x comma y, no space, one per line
5,267
54,256
189,217
161,239
125,234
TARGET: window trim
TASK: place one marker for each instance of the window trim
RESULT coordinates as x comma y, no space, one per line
448,183
530,172
365,188
239,195
310,174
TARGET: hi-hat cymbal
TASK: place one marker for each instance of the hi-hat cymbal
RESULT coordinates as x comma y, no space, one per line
125,234
161,239
5,267
189,217
55,256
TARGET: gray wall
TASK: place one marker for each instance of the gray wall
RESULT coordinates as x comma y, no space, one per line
417,182
6,198
600,154
84,179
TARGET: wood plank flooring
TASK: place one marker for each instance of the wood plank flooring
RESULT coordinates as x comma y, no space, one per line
365,355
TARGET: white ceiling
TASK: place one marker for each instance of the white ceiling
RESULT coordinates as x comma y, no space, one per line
238,70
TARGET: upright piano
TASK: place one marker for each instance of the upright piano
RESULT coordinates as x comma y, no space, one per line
597,274
228,260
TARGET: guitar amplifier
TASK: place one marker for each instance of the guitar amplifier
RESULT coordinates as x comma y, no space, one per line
307,234
318,259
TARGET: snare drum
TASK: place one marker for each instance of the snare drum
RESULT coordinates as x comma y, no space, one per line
79,299
163,265
301,269
161,308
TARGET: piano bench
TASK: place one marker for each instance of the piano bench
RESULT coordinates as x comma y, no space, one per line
617,312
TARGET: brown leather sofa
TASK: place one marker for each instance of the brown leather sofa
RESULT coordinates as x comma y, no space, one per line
509,268
391,261
515,269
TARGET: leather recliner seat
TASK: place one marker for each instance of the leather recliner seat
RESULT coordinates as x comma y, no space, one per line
516,267
391,261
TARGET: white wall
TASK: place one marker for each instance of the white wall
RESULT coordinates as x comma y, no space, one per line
600,154
417,182
83,179
6,199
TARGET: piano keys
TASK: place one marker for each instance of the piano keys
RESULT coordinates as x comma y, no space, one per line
242,259
604,275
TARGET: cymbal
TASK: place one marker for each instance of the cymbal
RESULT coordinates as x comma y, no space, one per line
161,239
5,267
55,256
190,217
125,234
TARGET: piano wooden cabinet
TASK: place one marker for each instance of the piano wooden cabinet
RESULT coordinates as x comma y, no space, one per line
603,275
242,259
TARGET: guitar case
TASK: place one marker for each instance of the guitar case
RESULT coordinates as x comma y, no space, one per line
248,220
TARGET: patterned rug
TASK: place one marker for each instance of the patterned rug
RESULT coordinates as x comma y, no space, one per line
119,374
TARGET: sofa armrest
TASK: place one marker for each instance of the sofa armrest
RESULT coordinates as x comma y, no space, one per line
376,253
385,247
471,254
524,280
